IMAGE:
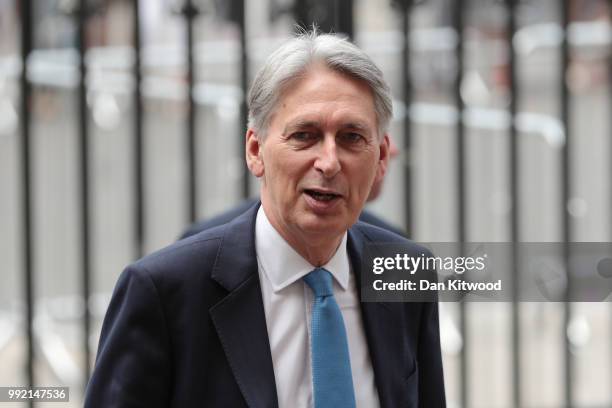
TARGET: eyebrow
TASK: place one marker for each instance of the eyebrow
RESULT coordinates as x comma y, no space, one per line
300,124
355,125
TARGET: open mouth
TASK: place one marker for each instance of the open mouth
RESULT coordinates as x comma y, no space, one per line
320,196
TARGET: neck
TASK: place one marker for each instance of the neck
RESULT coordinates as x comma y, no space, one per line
318,255
317,249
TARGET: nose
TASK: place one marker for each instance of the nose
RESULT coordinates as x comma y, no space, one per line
327,158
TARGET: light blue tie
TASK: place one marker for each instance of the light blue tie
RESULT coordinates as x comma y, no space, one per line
331,364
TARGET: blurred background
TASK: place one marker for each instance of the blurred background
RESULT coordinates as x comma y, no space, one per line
121,122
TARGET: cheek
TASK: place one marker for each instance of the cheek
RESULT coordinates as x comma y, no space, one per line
284,176
364,176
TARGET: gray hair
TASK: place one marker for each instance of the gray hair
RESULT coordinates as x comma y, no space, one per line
293,58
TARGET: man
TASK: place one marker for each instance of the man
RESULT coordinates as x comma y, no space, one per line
264,311
365,216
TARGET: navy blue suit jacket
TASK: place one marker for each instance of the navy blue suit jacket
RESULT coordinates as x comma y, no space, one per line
186,328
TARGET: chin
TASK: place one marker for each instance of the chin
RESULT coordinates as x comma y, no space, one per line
331,226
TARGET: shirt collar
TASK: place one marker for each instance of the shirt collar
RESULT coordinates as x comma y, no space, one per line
282,265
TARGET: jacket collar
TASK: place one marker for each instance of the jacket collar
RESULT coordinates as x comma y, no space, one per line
236,260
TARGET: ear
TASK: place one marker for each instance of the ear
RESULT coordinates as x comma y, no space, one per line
383,159
254,157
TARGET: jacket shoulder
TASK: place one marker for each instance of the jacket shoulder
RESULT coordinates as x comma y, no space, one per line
219,219
371,218
188,258
372,234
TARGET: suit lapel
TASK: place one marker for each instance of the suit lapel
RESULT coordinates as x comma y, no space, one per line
384,326
239,318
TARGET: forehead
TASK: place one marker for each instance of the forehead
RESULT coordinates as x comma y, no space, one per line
322,94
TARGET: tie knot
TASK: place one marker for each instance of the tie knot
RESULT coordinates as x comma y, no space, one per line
320,281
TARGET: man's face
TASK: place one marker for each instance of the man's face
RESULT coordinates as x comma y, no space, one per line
320,156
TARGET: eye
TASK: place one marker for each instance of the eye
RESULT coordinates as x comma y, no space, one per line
303,136
352,138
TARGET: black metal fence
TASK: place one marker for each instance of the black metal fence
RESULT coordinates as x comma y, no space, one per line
576,37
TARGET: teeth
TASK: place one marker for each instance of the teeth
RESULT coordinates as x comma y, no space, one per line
322,196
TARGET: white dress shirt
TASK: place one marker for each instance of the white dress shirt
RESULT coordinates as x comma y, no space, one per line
288,304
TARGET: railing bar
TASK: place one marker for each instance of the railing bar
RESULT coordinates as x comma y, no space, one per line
610,141
344,18
244,85
84,175
407,95
515,210
27,200
138,170
566,172
458,24
190,13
